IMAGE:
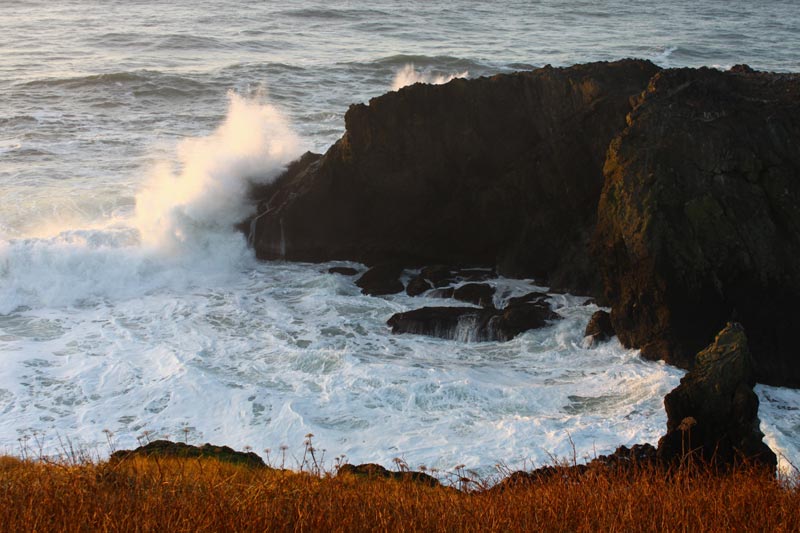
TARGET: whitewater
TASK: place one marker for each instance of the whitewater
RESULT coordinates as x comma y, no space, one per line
132,309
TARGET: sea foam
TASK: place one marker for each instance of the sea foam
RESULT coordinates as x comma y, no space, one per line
409,75
207,192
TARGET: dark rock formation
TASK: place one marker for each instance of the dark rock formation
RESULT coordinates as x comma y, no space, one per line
699,220
713,413
599,328
505,171
442,293
476,274
381,279
165,448
471,324
372,471
475,293
518,317
418,285
712,418
530,298
439,275
468,324
623,458
344,271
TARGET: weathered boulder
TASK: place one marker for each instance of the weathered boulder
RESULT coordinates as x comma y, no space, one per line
699,219
343,271
467,324
373,471
519,317
713,413
503,170
476,274
165,448
446,292
472,324
599,329
439,275
418,285
381,280
475,293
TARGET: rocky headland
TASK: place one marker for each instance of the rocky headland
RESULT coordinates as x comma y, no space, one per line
503,171
671,196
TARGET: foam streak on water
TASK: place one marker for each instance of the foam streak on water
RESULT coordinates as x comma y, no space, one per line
128,303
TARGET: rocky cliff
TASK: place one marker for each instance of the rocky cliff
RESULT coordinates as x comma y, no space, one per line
501,171
673,193
699,220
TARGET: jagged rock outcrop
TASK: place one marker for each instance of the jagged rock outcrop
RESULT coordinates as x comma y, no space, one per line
504,171
713,413
599,329
166,448
712,419
699,220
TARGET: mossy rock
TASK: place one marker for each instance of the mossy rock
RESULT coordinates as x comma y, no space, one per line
165,448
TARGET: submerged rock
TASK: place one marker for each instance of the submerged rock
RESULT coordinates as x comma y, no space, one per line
468,324
713,413
475,293
381,280
343,271
503,170
519,317
472,324
530,298
418,285
165,448
476,274
439,275
442,293
699,220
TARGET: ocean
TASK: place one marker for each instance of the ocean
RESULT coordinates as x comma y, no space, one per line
130,309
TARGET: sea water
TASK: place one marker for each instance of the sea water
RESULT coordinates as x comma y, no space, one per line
131,310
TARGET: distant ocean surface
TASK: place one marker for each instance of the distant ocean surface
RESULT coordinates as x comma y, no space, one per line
128,131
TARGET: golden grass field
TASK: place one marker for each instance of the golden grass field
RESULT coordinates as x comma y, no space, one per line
171,494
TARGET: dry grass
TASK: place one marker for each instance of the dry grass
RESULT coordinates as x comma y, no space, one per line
206,495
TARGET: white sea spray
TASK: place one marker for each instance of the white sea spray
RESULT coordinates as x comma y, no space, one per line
409,75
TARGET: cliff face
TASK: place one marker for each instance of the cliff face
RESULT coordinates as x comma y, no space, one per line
503,171
699,219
